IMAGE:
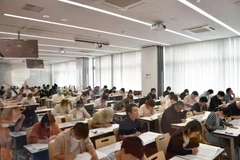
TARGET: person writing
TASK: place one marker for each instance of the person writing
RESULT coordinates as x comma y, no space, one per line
72,142
147,109
200,107
101,102
103,119
79,113
61,108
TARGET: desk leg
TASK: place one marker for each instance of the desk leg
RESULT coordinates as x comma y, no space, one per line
148,123
232,147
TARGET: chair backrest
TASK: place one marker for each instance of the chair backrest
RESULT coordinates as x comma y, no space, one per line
116,134
162,142
228,119
43,107
203,139
28,132
50,149
159,123
67,117
90,124
102,142
58,120
189,114
157,156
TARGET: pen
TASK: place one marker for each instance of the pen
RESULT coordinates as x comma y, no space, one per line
228,133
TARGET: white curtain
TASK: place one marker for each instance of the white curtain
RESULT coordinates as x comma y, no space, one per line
106,71
65,74
204,65
97,71
117,70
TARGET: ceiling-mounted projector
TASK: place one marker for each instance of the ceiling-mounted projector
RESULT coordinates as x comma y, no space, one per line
159,26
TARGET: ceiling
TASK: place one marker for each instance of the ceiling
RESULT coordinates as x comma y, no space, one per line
174,14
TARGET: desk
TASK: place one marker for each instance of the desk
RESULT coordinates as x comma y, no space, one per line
116,97
87,156
231,134
150,119
196,117
157,102
19,140
66,125
101,131
38,151
147,138
120,115
44,110
205,152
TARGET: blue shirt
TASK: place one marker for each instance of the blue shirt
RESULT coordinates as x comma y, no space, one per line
128,126
153,96
96,91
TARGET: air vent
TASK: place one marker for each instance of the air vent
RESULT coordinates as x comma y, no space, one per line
200,29
33,8
86,51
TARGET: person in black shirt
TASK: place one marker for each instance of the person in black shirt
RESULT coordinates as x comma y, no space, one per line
130,126
184,94
184,140
234,109
172,115
167,92
216,101
2,91
200,107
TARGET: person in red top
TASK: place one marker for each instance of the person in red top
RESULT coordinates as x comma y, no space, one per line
44,131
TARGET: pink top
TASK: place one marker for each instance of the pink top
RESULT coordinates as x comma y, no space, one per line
189,100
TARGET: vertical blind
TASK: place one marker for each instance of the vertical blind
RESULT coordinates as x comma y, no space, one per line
204,65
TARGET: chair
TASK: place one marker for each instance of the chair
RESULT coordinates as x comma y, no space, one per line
203,139
50,149
228,119
67,117
160,123
28,132
157,156
162,142
43,107
58,120
189,114
102,142
116,134
90,124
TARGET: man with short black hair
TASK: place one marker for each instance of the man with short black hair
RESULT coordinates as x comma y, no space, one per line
72,142
152,94
172,115
216,101
130,126
96,90
234,109
191,99
229,96
2,91
101,102
200,107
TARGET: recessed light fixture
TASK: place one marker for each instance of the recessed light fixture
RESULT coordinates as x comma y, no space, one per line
46,16
64,20
196,39
83,28
118,15
57,51
190,5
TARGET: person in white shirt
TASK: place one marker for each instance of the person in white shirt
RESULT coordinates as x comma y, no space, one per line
172,100
207,94
30,100
101,102
27,90
168,97
147,109
61,108
79,113
58,97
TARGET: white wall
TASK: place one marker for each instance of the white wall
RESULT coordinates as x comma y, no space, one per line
19,74
149,66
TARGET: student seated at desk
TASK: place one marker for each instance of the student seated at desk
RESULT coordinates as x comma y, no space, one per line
184,94
122,92
103,119
229,96
172,115
216,101
96,90
147,109
106,92
184,141
173,99
44,131
234,109
29,100
101,102
131,125
19,98
71,142
79,113
121,106
200,107
131,149
28,119
131,100
215,121
58,97
61,108
191,99
84,97
167,91
152,94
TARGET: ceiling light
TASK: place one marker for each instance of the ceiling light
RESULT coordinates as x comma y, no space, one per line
57,46
57,51
33,36
168,30
124,47
208,15
104,11
45,16
64,20
83,28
